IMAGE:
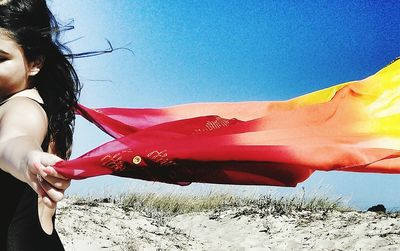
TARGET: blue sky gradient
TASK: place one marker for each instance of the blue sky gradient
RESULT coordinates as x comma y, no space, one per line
203,51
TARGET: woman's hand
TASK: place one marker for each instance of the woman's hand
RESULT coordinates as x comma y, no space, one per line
44,179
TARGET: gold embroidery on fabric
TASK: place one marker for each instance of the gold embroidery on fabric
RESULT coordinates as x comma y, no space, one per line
160,157
114,162
213,124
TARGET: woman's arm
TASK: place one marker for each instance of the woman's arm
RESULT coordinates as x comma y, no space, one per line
23,126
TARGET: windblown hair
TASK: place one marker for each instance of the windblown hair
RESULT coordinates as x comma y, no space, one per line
32,25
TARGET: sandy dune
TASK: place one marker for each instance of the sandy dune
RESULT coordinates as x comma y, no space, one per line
106,226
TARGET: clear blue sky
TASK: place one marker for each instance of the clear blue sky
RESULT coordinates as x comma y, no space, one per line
216,50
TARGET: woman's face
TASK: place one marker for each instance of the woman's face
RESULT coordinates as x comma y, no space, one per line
14,68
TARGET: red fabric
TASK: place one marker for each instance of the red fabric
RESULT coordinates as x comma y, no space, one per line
200,156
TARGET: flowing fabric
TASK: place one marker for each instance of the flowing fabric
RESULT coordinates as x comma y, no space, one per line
352,126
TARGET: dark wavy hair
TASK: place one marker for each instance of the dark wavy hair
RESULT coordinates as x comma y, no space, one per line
32,25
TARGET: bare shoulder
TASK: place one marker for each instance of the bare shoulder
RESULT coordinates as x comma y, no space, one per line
22,106
22,116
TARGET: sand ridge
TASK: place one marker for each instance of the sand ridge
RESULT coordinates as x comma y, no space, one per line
104,225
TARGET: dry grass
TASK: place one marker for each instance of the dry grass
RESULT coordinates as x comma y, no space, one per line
161,207
170,205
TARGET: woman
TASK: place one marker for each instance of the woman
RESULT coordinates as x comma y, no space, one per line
38,91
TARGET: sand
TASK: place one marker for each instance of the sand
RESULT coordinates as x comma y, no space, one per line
106,226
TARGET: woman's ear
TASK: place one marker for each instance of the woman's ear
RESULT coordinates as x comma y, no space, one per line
35,66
